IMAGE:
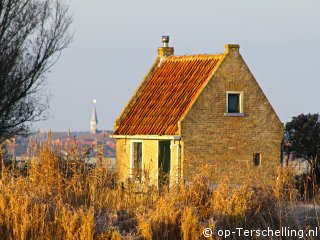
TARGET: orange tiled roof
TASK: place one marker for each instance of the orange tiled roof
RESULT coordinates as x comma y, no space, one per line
167,95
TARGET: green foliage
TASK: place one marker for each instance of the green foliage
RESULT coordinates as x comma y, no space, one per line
303,136
302,140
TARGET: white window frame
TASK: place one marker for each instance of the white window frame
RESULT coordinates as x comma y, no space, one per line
131,156
240,104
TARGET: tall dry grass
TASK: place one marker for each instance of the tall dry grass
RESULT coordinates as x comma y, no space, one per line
60,198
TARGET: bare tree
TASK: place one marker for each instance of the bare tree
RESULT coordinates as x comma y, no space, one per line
32,35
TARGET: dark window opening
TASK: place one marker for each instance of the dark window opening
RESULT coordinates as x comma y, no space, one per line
137,160
233,103
164,160
257,159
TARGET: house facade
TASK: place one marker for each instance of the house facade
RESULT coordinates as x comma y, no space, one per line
197,113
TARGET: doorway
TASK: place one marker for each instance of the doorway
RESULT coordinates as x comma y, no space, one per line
164,159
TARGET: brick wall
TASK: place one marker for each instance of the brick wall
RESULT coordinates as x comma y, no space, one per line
123,158
224,146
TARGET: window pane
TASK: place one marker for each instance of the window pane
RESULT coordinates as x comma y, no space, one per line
233,103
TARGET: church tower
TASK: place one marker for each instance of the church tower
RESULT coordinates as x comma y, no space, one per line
94,119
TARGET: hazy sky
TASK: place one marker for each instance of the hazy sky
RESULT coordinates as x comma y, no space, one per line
116,42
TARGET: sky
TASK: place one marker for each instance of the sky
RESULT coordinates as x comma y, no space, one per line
115,44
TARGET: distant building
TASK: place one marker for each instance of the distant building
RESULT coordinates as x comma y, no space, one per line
94,120
196,111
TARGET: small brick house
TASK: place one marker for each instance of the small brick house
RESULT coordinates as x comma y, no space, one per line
197,111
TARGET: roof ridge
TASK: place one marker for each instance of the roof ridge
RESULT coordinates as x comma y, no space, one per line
195,56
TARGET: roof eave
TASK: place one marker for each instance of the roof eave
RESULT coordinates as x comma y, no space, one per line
147,137
124,112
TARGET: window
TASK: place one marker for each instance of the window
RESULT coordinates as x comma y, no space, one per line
257,159
136,160
234,104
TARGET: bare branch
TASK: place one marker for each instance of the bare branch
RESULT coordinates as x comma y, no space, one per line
33,34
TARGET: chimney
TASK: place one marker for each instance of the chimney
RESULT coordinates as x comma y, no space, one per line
165,50
232,48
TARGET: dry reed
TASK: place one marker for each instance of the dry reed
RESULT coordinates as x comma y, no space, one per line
61,198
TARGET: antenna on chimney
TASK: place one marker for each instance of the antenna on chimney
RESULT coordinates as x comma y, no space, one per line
165,41
165,50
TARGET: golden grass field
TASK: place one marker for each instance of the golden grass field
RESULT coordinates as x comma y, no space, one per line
61,199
